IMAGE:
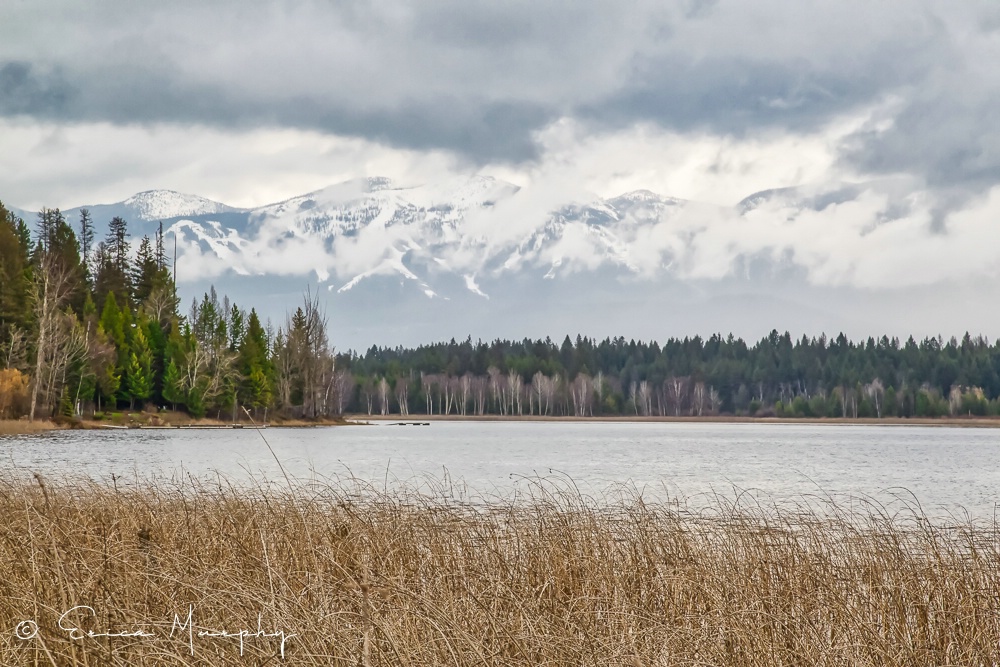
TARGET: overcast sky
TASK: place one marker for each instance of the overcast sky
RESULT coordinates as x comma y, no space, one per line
711,100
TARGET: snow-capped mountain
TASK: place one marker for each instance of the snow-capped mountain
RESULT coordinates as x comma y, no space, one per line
163,204
411,263
470,228
144,211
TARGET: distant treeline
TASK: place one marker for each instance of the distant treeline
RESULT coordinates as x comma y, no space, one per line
93,325
776,376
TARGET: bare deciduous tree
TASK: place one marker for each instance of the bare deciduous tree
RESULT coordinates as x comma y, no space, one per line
403,395
514,386
645,398
875,392
699,398
59,340
15,352
343,388
383,395
582,392
464,392
479,389
714,400
677,393
427,384
497,388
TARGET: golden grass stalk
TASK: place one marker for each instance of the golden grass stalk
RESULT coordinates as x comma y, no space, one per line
362,576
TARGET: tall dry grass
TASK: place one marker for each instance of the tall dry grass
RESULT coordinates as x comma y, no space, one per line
363,576
24,427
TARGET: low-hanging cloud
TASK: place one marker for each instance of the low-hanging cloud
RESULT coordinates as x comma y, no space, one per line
875,235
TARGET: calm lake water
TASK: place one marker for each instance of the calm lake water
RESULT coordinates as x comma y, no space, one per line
948,470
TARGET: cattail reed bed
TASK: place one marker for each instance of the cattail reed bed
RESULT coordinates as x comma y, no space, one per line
346,574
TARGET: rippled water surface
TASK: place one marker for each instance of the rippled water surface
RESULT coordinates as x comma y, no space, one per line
945,469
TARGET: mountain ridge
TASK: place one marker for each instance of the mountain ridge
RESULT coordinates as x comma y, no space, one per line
402,264
476,228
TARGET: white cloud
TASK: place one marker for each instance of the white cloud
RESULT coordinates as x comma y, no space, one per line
56,165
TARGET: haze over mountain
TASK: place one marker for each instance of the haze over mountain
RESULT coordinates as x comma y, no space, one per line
477,256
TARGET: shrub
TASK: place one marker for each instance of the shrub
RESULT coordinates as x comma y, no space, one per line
14,400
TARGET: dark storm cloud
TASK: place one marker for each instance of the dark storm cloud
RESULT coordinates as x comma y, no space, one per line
734,94
942,128
25,90
951,140
473,78
731,96
482,78
483,130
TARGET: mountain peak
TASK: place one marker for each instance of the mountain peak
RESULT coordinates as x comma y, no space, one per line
644,197
376,183
162,204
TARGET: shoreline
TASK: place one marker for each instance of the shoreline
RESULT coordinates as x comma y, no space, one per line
15,427
12,427
956,422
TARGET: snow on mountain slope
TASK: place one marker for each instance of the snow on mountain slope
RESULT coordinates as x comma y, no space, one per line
458,235
473,255
165,204
212,239
463,227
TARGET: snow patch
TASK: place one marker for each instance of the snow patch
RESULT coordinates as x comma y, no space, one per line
161,204
470,283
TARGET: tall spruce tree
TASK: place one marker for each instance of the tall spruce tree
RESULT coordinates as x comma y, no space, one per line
139,371
113,266
145,272
87,244
57,240
15,278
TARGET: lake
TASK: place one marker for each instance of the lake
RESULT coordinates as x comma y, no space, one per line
948,470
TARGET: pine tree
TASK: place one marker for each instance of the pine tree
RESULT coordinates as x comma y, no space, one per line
14,275
258,388
112,321
139,373
144,272
86,243
112,266
237,327
254,365
195,402
113,325
45,225
161,254
56,240
173,391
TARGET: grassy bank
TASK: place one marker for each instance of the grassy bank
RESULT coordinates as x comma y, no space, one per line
24,427
366,577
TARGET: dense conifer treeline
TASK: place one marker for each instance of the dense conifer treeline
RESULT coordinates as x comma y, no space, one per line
776,376
89,326
87,329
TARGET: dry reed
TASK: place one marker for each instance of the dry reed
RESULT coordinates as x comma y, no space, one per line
24,427
363,576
